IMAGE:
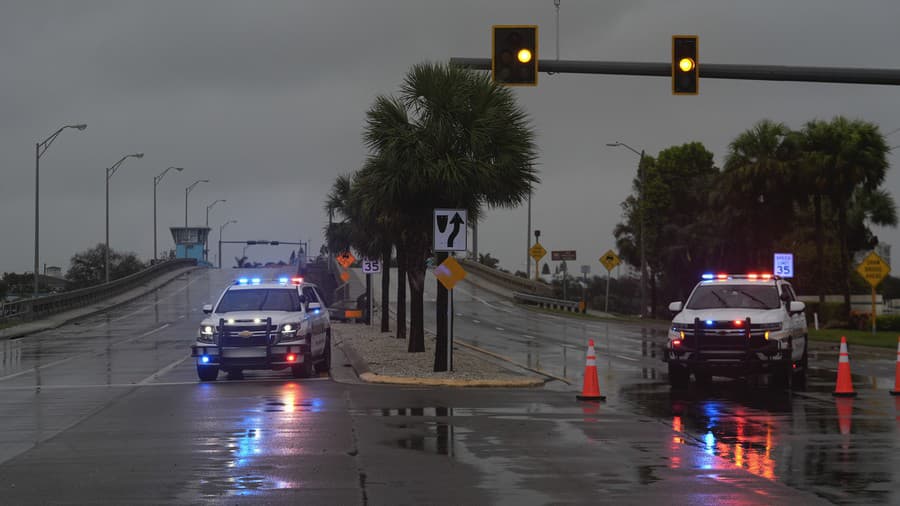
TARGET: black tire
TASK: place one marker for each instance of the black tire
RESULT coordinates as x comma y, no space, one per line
801,372
325,364
679,376
304,370
782,377
207,372
235,374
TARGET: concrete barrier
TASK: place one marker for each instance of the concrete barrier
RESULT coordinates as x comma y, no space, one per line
565,305
510,281
35,308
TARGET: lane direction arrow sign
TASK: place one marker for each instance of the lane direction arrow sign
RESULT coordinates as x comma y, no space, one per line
450,230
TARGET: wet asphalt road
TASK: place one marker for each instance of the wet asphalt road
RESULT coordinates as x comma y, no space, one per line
109,411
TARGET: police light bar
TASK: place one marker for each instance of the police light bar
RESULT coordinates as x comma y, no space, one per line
283,281
296,281
753,276
242,281
255,281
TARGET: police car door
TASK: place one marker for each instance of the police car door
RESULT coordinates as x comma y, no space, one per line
797,322
316,324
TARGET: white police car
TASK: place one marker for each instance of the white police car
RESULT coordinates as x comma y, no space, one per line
737,326
264,325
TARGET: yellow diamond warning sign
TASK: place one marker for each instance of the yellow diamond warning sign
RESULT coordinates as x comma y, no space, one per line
873,269
537,251
610,260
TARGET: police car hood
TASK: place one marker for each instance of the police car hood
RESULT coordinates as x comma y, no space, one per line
756,315
247,317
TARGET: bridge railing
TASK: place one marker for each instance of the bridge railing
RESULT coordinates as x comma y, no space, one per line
24,310
567,305
504,279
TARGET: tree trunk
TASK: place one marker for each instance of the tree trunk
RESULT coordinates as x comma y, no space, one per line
401,292
386,290
845,257
440,347
652,293
416,275
820,251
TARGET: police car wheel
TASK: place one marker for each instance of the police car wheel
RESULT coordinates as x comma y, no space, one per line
207,372
325,364
679,376
304,370
782,377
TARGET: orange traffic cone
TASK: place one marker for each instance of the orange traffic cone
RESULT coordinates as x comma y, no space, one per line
844,387
896,390
591,389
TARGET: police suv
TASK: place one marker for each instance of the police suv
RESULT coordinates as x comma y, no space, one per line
738,326
264,325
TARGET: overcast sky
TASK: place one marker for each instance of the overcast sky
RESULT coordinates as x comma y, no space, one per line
267,100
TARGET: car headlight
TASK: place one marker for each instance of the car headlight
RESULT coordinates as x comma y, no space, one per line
207,333
289,330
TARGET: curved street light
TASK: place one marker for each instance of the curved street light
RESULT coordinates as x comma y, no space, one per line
641,198
39,149
221,228
187,191
156,180
206,243
109,173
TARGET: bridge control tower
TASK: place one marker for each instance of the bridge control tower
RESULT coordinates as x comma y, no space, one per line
190,242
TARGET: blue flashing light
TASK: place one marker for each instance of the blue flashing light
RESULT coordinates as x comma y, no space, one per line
709,323
243,281
708,276
283,281
255,281
204,359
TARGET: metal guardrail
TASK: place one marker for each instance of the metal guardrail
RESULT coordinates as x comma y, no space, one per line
568,305
509,280
31,309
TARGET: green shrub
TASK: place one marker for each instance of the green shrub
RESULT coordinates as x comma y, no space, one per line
888,322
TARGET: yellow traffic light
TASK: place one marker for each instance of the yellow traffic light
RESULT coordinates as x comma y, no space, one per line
514,55
524,55
685,70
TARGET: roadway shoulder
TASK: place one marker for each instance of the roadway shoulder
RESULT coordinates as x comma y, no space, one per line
60,319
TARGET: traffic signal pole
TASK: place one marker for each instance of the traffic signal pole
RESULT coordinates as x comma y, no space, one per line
840,75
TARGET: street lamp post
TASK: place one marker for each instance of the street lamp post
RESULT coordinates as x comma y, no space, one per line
39,149
641,198
221,228
109,173
187,192
156,181
206,243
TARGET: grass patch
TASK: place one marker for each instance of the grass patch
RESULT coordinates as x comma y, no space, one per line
880,339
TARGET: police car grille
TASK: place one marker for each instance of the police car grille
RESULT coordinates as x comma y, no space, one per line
238,336
723,339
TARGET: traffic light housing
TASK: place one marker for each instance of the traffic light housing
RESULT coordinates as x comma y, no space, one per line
685,65
514,55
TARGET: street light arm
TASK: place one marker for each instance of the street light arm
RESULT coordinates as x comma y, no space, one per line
191,187
158,178
112,170
617,143
45,144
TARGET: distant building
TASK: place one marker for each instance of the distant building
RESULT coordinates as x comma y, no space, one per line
53,272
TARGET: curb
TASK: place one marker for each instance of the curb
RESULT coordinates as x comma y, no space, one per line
361,367
13,334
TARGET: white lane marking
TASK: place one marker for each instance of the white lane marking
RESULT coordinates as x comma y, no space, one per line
623,357
459,314
526,336
94,351
145,334
33,369
167,384
499,328
476,321
163,371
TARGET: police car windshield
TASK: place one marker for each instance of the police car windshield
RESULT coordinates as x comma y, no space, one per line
750,296
263,299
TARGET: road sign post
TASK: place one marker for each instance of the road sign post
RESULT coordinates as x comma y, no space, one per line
873,269
371,266
449,272
609,260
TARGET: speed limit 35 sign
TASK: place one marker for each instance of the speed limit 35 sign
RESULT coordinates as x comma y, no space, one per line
784,265
371,265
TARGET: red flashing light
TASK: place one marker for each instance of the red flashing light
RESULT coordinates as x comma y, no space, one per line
296,281
767,277
676,342
721,276
291,357
738,323
752,276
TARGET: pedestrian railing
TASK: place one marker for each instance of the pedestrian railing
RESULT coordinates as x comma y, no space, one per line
24,310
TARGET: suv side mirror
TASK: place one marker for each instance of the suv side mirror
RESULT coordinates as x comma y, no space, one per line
675,307
207,308
796,307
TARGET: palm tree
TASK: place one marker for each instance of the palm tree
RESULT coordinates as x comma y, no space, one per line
843,155
451,139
